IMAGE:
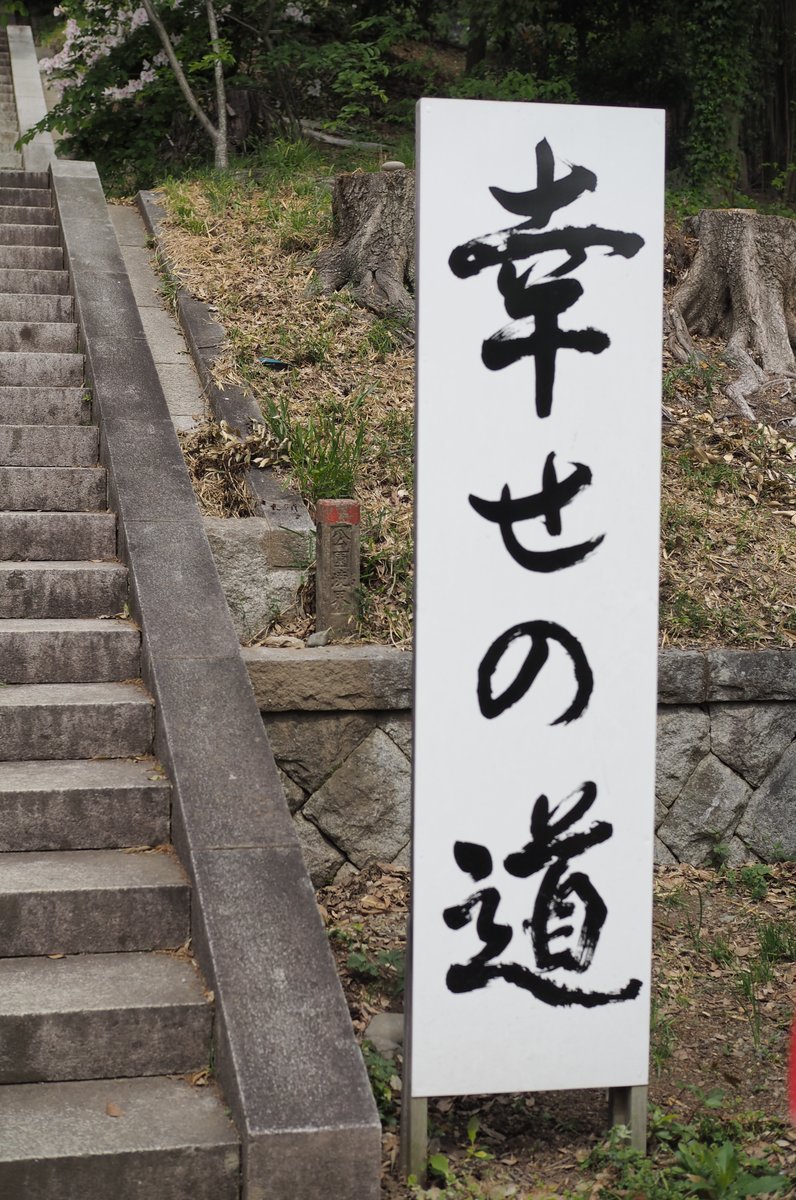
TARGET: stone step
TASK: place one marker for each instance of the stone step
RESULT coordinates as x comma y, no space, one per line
62,589
44,406
168,1142
36,306
24,197
26,214
52,337
48,445
96,1016
24,179
68,651
18,279
9,157
36,258
57,536
39,369
54,489
75,805
30,235
75,720
91,902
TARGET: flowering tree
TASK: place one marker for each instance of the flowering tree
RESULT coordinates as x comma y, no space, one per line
119,52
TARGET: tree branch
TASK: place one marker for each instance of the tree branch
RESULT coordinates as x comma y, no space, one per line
179,74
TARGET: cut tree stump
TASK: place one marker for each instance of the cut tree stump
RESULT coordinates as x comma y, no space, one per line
741,288
374,242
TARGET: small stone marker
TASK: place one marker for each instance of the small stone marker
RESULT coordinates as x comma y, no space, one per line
337,578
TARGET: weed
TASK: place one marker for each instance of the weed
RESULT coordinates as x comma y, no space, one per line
325,452
383,1081
777,941
749,981
695,376
696,1159
661,1037
755,880
694,925
721,951
387,967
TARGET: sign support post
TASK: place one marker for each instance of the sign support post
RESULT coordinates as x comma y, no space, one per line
628,1106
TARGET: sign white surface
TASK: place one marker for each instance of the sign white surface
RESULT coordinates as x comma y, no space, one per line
535,676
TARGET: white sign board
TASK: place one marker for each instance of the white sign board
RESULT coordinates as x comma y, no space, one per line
539,345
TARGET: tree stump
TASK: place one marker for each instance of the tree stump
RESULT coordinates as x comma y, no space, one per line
374,242
741,289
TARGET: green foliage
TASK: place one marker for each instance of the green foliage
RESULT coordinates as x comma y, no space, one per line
325,450
701,1158
387,967
777,941
383,1081
724,1173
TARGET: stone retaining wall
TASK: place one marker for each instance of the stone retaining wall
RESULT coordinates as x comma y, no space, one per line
339,722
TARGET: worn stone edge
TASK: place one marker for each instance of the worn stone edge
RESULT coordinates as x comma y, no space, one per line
204,335
29,97
96,266
378,678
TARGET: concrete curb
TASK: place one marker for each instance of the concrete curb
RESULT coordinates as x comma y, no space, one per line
29,96
283,509
286,1056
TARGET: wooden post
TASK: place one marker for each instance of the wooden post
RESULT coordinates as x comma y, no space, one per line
628,1106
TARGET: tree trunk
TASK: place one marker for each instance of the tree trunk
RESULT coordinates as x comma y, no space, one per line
374,241
741,289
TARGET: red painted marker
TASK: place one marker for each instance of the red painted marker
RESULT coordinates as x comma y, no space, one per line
792,1084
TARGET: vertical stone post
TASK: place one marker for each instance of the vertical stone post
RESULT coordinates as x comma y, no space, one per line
337,576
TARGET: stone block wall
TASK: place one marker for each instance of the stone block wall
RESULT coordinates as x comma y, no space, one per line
339,722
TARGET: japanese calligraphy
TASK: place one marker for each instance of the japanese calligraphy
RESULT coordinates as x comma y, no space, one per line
535,308
551,850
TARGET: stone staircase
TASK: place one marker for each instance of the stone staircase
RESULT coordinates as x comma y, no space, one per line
102,1011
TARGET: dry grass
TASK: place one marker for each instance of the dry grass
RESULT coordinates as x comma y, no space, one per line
246,243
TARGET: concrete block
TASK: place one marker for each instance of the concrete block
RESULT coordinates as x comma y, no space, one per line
82,805
49,445
62,589
90,1016
296,1082
26,196
84,720
39,368
20,214
62,536
127,225
36,307
34,258
29,235
53,489
44,406
91,901
78,651
166,342
232,797
170,1140
255,591
57,338
182,390
19,279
